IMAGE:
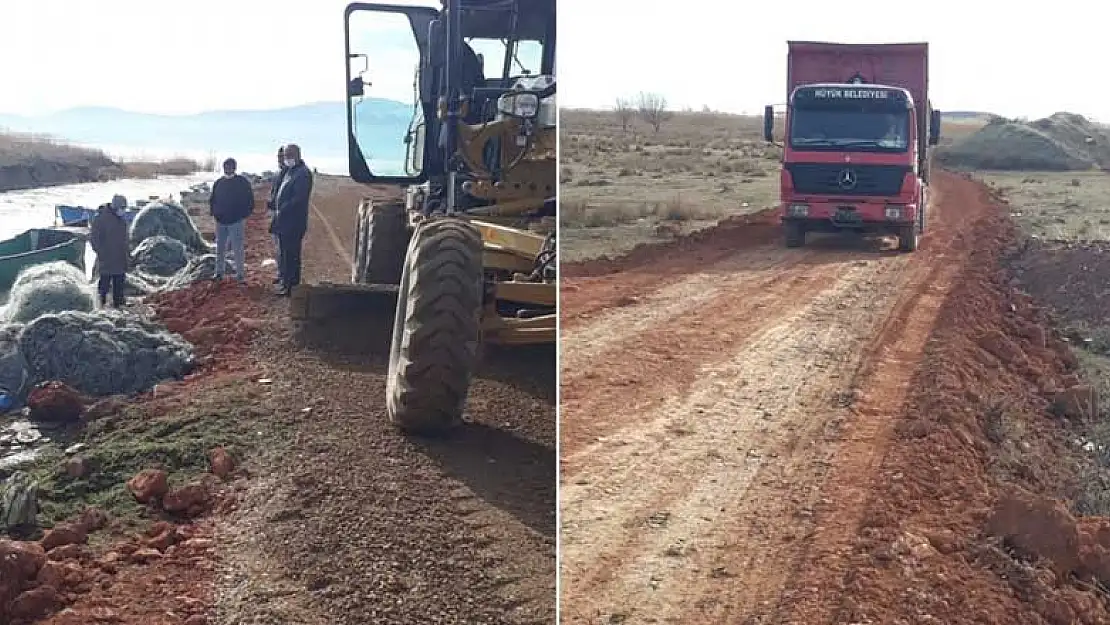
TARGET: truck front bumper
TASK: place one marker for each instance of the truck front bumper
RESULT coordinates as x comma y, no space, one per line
864,217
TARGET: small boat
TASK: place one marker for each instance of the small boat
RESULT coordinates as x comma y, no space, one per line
38,246
82,216
73,215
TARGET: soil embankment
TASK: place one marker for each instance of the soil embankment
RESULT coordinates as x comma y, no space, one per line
828,435
1060,142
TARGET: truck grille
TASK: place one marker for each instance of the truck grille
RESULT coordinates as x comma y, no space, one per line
829,179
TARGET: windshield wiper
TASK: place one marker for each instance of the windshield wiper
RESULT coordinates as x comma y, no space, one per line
815,142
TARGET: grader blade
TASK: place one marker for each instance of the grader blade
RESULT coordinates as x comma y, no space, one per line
328,300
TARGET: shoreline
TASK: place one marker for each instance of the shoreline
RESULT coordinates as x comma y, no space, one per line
30,162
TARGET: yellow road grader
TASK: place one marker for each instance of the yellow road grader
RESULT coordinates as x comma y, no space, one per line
471,252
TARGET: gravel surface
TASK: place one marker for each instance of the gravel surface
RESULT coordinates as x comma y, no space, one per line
355,523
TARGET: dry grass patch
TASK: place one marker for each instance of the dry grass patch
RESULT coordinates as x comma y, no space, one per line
170,167
621,187
1072,206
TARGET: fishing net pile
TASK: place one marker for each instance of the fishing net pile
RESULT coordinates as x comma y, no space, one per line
47,288
160,255
50,330
170,220
105,352
199,268
168,252
13,367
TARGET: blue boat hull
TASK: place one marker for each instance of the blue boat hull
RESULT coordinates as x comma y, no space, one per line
81,216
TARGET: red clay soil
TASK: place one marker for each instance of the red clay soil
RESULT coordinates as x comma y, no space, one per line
160,578
221,318
942,498
964,525
602,283
166,576
1069,277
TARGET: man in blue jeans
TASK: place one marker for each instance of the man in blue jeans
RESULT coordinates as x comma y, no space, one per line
231,202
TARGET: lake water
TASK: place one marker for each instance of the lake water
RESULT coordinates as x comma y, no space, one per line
34,208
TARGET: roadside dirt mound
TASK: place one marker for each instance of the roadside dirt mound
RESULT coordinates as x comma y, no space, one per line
686,252
1069,278
1062,142
592,286
966,522
61,580
219,319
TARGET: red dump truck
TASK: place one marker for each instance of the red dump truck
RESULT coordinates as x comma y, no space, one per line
859,127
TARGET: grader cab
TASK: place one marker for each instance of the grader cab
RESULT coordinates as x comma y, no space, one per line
470,252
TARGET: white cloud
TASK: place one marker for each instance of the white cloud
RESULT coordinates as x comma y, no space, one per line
1014,60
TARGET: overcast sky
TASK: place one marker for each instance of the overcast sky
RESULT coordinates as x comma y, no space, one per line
994,56
183,57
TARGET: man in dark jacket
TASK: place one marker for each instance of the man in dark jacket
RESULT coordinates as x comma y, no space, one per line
291,221
231,202
108,236
271,205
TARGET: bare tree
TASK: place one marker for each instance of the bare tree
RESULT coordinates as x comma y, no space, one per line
624,112
653,109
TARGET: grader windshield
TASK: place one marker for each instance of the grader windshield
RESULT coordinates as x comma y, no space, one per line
406,64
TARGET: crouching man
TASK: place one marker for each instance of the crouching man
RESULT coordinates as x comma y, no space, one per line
108,236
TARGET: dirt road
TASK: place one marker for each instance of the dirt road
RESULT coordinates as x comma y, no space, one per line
350,522
724,408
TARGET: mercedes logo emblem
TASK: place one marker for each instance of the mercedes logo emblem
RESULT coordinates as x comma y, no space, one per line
846,179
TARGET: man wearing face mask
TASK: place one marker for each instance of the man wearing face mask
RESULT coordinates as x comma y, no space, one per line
108,236
271,204
291,222
231,202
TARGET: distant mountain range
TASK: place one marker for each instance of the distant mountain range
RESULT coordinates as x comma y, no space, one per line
319,128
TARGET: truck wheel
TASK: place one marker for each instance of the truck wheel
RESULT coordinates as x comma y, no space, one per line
908,237
795,234
384,232
437,328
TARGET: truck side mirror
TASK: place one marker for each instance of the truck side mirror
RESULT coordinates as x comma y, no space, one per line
934,127
769,123
355,88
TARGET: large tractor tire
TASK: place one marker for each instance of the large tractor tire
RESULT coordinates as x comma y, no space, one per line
437,328
380,241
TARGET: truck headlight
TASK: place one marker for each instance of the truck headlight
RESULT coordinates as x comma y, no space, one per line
894,212
524,105
798,210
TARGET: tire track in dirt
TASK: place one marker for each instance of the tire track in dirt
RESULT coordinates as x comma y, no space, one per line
634,555
668,304
667,357
598,285
887,377
697,511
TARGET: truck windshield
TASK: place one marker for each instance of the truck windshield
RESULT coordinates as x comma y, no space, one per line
863,131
